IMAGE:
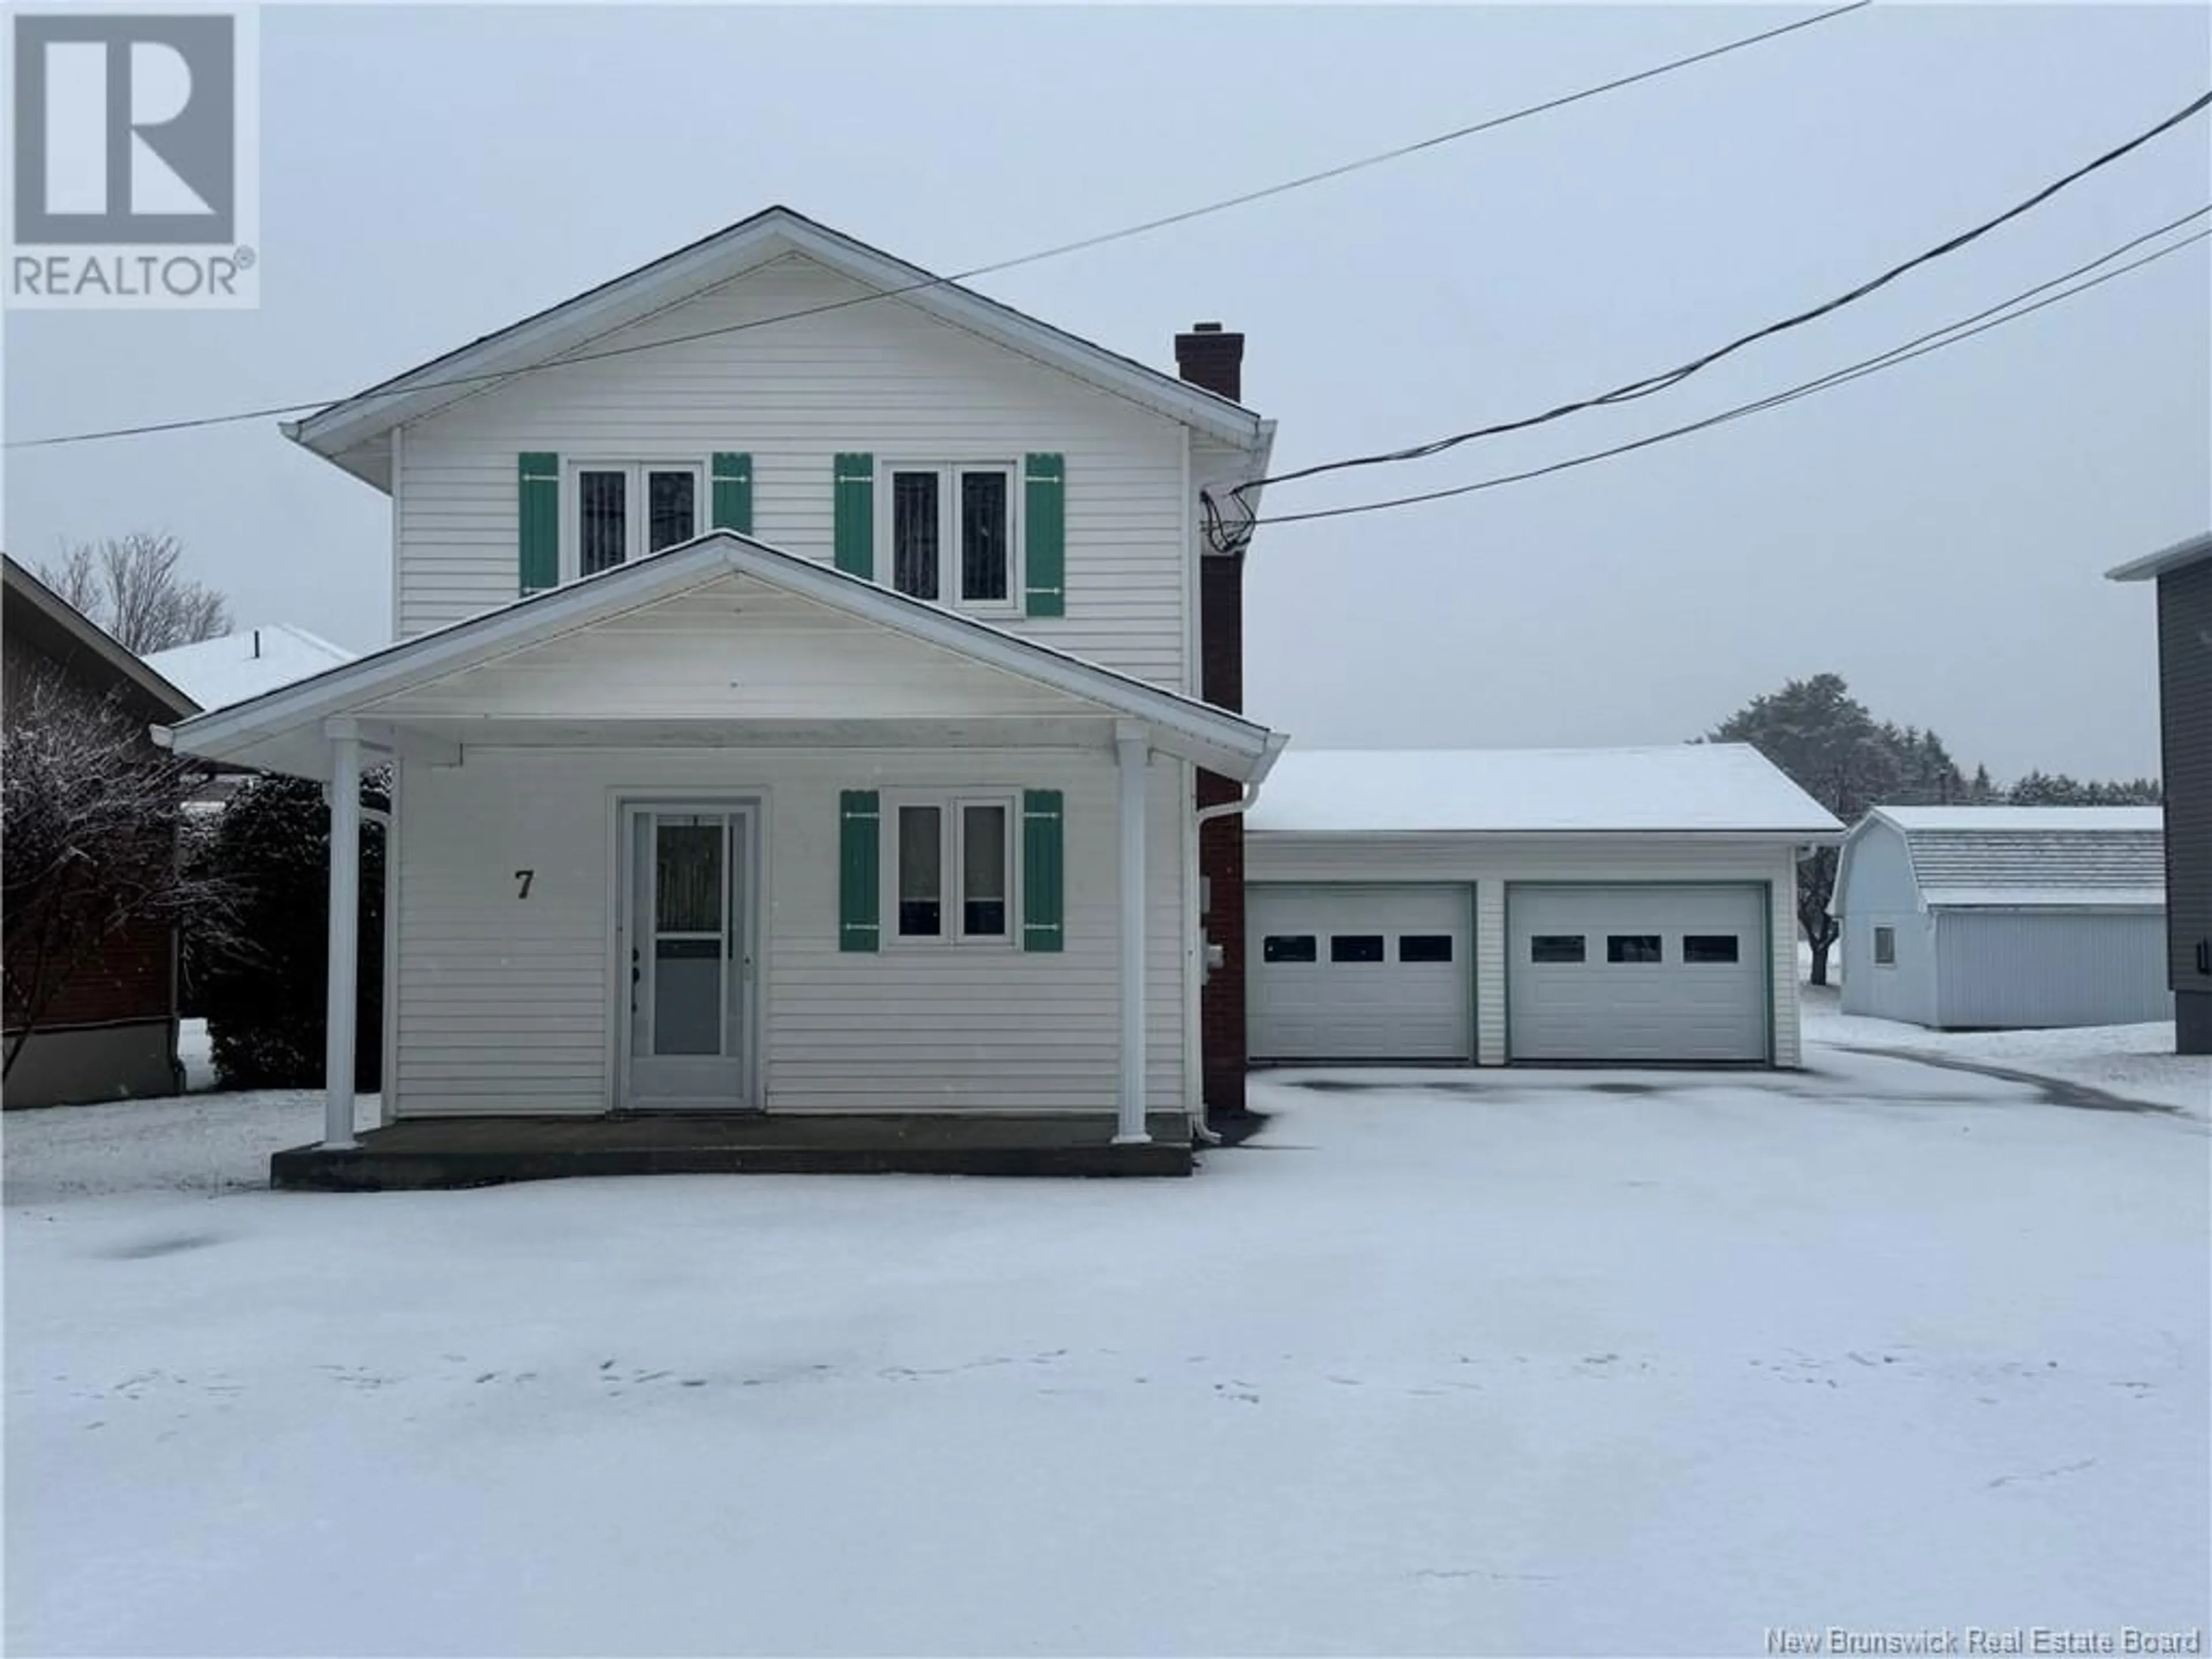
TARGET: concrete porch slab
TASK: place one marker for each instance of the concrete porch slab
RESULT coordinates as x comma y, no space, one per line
483,1151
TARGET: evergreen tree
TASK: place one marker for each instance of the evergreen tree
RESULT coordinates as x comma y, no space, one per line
1816,732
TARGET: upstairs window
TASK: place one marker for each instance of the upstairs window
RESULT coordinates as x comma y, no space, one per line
951,533
622,510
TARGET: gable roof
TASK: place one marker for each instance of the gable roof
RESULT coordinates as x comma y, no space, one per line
2190,550
54,627
235,666
1971,857
282,729
1727,788
356,433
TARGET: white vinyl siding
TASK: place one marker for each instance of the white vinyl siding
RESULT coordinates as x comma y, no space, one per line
736,649
504,1005
878,378
1489,863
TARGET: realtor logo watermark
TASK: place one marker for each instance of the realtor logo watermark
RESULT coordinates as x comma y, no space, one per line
136,153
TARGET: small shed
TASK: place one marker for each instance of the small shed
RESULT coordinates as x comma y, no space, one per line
1982,918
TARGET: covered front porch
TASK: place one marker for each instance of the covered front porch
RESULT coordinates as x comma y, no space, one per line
725,861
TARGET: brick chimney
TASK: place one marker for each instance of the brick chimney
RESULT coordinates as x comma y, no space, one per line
1207,357
1210,357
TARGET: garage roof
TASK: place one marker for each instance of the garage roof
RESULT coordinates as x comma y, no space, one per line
1692,789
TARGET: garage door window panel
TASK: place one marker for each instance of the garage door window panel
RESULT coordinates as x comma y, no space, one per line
1633,948
1290,947
1556,948
1710,947
1355,947
1424,947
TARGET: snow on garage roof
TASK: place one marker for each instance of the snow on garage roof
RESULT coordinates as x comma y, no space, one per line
1694,788
232,667
2015,856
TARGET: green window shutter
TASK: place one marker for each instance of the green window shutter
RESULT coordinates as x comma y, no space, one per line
537,538
1043,881
856,515
732,502
1044,536
860,871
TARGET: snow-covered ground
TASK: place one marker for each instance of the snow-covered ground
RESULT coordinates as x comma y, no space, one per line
2134,1062
1617,1363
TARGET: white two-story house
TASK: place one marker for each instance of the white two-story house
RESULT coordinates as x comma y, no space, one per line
796,706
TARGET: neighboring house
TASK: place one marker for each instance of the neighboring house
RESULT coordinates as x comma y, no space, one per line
805,718
1996,917
112,1030
1545,905
232,667
2183,575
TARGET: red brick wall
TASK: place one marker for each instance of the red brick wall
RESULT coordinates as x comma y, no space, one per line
130,978
1221,842
1211,357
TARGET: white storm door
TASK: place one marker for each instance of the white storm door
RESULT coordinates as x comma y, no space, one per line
689,957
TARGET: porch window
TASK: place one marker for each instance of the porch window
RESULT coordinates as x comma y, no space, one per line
621,510
951,533
953,867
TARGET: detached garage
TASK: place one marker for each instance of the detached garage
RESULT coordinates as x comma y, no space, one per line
1539,906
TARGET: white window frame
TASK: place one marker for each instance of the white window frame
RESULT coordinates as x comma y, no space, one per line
952,909
1874,943
634,502
949,562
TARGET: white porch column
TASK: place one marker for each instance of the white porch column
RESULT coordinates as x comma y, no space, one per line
1134,755
344,932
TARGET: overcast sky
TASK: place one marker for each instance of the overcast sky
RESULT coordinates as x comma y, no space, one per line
1936,534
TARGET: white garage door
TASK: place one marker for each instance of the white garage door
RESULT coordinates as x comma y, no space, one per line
1634,973
1359,973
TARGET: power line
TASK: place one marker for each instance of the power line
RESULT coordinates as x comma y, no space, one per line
270,410
1949,335
1660,382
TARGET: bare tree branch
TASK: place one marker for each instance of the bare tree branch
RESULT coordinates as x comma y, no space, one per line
132,586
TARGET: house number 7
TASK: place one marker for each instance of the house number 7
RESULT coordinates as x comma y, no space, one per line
524,876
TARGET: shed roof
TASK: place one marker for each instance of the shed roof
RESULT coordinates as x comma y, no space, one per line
2075,857
1680,788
